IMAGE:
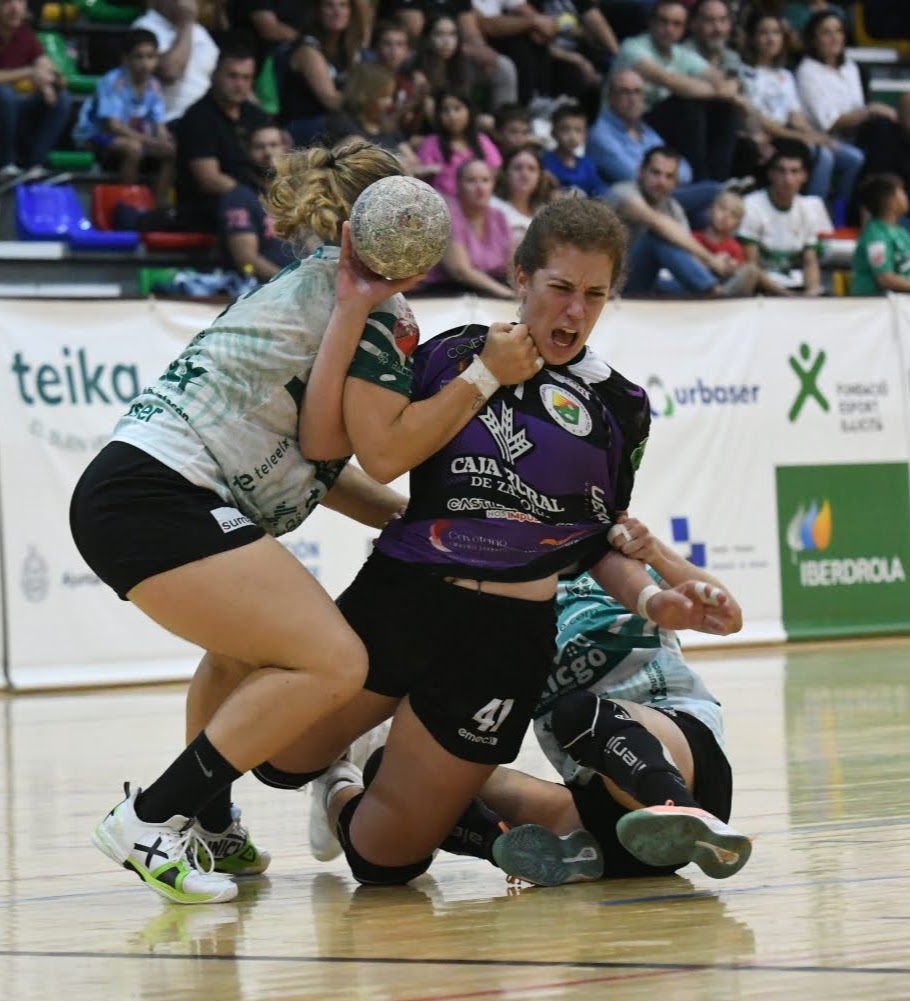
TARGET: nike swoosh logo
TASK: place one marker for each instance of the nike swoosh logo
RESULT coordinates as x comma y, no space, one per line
207,772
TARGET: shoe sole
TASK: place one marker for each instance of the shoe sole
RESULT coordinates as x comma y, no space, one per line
665,839
101,842
536,855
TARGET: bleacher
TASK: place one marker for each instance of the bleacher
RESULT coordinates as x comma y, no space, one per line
57,238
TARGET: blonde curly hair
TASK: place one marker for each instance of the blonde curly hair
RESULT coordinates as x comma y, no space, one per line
314,188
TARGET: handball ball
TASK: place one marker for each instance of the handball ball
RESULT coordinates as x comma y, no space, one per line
400,227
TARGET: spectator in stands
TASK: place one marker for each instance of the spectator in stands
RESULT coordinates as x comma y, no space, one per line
571,168
687,100
455,140
620,138
781,227
123,122
318,65
213,141
479,254
771,90
523,33
797,13
266,26
710,29
247,231
496,70
413,102
34,103
660,237
581,50
512,128
442,62
725,216
893,156
831,92
522,188
881,261
367,110
188,53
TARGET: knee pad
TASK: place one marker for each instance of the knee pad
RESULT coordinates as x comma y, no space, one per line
271,776
580,715
369,873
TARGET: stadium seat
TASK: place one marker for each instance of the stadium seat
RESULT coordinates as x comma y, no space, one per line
104,12
106,198
59,54
53,212
882,24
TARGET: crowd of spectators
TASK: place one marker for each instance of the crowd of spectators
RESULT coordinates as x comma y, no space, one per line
670,109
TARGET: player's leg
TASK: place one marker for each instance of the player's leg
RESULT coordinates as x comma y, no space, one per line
648,764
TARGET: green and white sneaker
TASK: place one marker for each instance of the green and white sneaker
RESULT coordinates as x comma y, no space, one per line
674,835
233,850
537,855
162,855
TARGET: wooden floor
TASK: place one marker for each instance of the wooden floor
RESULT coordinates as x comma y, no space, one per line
820,743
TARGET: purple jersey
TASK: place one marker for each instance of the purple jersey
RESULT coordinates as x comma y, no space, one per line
531,485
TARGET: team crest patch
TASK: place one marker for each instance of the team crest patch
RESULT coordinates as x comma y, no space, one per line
567,410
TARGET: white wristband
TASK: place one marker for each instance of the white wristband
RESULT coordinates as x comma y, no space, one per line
644,596
480,376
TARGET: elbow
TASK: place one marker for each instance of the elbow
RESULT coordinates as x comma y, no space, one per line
382,468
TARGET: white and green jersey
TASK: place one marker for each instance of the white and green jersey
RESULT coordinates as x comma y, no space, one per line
224,414
605,648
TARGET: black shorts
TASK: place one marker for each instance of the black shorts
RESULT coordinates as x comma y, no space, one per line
133,517
713,792
472,663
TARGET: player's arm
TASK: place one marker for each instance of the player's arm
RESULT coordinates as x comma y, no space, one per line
358,496
812,272
634,540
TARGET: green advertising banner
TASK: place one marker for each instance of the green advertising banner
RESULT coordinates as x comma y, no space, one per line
844,536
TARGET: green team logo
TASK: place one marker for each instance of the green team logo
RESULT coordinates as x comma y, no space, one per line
843,569
567,410
807,369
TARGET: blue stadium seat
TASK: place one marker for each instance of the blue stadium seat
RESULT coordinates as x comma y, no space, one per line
54,212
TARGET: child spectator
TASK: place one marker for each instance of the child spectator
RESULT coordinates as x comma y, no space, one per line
565,163
881,261
123,123
512,128
725,216
455,141
392,47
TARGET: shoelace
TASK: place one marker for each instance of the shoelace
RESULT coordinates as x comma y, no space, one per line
185,844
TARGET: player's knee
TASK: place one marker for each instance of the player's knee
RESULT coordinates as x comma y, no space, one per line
342,666
577,714
369,873
276,778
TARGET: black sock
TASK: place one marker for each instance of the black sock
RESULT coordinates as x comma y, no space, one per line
194,778
601,735
474,832
215,816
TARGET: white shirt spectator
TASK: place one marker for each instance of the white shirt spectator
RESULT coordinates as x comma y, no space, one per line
496,8
197,76
783,234
518,221
772,91
827,92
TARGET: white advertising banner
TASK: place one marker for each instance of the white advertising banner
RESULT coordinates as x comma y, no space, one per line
739,391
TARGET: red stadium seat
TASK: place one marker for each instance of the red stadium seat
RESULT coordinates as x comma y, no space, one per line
106,197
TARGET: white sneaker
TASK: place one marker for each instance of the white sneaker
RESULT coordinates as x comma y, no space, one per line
323,843
233,850
162,854
674,835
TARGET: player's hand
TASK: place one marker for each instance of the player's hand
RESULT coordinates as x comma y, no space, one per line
510,354
693,604
634,539
356,284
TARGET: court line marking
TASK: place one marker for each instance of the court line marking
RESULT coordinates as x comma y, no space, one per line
427,961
